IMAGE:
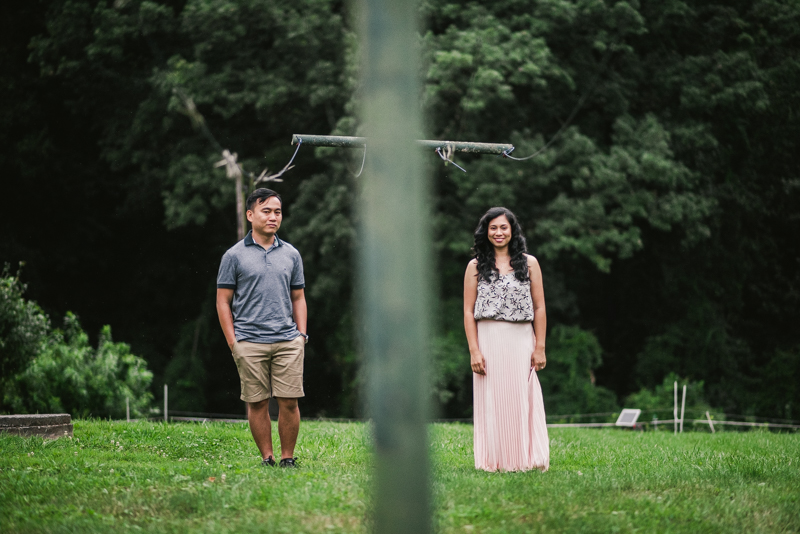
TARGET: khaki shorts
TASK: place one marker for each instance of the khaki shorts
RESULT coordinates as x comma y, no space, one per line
270,369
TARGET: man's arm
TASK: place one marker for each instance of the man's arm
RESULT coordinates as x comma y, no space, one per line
224,299
299,310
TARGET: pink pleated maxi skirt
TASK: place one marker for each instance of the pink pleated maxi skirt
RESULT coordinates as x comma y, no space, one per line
510,427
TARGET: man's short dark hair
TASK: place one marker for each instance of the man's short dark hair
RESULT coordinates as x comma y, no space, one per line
261,195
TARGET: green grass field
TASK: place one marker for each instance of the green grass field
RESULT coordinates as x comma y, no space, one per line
206,478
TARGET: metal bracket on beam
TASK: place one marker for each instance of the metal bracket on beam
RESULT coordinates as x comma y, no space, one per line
340,141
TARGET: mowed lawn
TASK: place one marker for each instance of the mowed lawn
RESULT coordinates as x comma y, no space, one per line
152,477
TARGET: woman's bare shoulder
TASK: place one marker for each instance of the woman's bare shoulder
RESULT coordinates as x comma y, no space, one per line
531,260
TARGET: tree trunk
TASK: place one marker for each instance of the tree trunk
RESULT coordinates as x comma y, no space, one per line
241,220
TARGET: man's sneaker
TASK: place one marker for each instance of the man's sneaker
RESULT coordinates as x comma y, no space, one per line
288,462
269,462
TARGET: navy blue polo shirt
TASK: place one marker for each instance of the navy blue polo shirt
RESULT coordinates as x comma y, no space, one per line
262,280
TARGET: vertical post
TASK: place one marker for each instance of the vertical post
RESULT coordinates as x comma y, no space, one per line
683,406
710,424
166,404
241,214
675,410
127,409
394,266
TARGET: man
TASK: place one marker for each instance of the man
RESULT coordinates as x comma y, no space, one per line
262,309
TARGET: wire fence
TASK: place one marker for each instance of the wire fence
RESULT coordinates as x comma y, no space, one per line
647,419
717,419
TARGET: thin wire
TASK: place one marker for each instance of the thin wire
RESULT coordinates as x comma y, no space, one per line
581,101
448,160
276,177
363,160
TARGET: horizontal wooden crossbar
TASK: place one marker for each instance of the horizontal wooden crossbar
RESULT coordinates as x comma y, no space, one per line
340,141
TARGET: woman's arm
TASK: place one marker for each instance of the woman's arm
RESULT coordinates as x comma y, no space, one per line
538,358
477,361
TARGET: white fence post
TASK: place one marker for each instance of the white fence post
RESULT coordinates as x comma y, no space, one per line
166,404
675,410
710,424
128,409
683,406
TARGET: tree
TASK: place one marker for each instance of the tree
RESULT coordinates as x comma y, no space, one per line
660,400
661,204
56,371
23,326
256,71
70,376
568,385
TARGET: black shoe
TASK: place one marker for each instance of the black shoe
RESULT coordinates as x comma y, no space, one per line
289,462
269,462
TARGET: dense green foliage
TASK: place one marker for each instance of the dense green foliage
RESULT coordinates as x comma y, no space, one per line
207,478
57,371
656,400
663,214
569,384
23,326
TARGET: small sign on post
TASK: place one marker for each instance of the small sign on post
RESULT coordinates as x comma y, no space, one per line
628,417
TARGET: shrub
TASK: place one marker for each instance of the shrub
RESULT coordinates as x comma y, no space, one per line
57,370
568,383
660,400
23,326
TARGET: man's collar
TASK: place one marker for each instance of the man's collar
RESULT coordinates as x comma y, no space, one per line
249,241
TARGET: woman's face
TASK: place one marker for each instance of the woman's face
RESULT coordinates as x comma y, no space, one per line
499,232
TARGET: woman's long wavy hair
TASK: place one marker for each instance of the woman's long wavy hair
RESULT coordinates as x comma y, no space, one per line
483,250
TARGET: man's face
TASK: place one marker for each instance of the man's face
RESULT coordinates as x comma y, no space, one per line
266,216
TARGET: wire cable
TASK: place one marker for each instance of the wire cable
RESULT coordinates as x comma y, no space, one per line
448,158
581,101
363,160
277,176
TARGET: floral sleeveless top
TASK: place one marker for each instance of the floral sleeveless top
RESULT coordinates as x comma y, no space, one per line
505,299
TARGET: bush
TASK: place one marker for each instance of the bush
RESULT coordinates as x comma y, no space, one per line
568,382
782,373
659,401
56,371
23,327
450,369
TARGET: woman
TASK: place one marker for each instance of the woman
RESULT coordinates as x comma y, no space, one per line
503,295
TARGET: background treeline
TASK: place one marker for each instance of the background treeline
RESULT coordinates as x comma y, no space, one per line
665,214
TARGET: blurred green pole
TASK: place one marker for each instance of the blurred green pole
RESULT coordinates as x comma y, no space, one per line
394,266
